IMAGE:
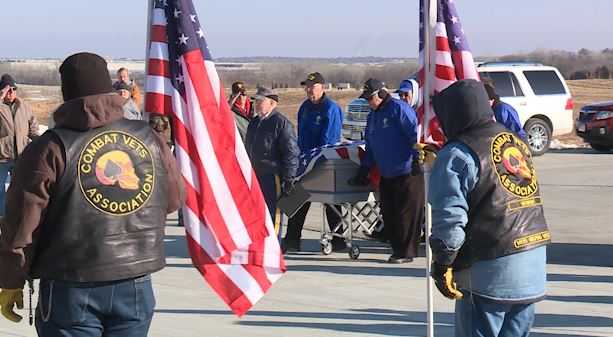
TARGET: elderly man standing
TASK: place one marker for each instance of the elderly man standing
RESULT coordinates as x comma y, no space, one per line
391,134
319,123
272,148
408,92
489,231
242,107
17,127
86,214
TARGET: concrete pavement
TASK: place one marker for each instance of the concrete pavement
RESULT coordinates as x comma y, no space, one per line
335,296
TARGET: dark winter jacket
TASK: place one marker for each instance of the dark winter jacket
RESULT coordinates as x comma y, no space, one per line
40,171
271,145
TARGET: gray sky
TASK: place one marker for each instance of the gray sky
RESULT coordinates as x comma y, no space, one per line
315,28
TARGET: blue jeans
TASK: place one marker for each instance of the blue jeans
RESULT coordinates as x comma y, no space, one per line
5,169
476,316
98,309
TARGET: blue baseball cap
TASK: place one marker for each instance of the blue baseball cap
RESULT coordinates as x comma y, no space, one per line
405,86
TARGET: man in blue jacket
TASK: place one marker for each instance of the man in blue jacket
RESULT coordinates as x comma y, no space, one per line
391,134
271,146
504,113
488,228
320,120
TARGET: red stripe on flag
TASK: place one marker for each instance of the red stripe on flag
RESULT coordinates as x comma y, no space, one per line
158,103
218,280
220,123
343,153
458,61
158,34
157,67
445,72
442,44
205,206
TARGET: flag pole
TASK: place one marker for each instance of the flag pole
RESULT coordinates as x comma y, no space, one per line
147,52
430,8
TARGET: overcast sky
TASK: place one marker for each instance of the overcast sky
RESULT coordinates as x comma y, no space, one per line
314,28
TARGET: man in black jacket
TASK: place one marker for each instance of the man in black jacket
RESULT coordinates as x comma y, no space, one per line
86,211
273,149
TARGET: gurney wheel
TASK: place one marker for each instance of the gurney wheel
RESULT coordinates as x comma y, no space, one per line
354,252
326,248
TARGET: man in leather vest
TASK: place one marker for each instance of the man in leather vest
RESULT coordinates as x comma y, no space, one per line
86,213
488,228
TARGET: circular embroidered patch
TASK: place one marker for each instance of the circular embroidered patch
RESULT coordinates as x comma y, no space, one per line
513,163
116,173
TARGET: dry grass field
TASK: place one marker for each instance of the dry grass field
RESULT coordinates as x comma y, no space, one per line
45,99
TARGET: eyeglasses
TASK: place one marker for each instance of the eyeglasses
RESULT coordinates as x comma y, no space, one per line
403,94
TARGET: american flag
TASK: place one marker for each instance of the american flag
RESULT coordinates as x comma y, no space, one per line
229,231
354,151
452,60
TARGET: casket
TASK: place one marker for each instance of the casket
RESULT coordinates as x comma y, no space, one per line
327,182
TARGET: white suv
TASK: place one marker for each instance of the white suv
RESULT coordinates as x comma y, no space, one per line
538,93
540,96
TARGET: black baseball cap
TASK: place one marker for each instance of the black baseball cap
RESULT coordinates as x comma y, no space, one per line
313,78
7,79
371,87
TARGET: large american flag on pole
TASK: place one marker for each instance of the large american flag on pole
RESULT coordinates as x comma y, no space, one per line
451,60
229,231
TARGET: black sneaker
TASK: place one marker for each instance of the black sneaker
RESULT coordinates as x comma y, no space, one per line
290,246
399,259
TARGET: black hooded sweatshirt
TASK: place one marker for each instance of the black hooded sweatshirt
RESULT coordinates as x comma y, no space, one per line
505,213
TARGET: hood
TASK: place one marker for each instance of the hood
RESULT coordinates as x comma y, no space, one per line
462,106
89,112
415,97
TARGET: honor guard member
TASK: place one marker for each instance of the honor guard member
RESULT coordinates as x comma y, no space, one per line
504,113
272,148
391,135
488,228
242,107
86,213
320,120
408,91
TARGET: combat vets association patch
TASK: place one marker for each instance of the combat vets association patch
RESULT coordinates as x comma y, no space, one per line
116,173
513,163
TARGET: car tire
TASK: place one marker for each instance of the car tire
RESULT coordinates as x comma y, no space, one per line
601,148
538,132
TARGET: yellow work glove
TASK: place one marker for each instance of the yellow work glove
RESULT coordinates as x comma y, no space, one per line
426,153
8,299
443,279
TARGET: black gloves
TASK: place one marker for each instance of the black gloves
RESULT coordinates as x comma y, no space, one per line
360,179
443,279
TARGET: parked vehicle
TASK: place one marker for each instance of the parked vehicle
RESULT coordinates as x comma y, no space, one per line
595,125
538,93
540,96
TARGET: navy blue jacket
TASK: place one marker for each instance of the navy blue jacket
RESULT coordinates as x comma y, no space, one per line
391,134
271,146
506,115
319,124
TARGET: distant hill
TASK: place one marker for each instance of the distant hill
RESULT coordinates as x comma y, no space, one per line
344,60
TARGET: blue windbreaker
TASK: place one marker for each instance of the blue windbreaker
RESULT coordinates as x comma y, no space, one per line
506,115
319,124
391,134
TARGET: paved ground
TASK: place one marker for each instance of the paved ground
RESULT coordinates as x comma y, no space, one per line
334,296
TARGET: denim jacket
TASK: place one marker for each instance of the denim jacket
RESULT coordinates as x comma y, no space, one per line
518,277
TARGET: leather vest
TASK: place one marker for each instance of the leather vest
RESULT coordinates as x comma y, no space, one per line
105,220
505,208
